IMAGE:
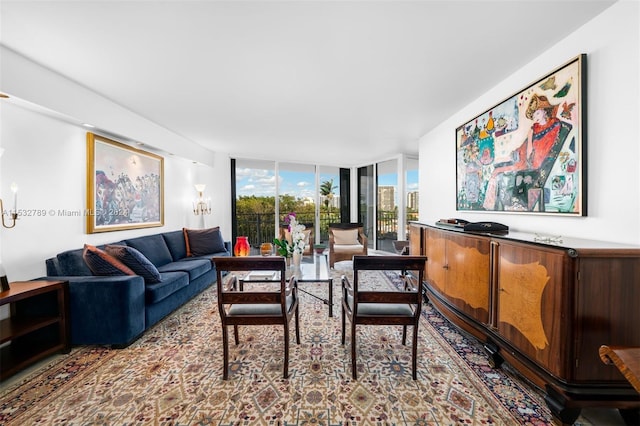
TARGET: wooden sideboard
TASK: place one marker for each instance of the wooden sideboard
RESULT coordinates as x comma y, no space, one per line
543,304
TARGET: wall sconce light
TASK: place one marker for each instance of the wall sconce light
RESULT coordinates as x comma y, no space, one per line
201,205
14,214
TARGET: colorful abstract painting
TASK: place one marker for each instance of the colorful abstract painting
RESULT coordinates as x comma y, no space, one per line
527,154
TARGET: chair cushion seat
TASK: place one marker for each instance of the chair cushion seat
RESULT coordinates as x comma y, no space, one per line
258,309
393,309
347,248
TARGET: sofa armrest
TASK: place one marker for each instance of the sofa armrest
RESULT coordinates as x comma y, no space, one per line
105,310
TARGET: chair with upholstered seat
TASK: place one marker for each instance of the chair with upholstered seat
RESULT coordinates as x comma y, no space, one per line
345,241
366,306
240,306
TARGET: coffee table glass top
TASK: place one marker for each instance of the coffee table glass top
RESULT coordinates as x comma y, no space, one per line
318,270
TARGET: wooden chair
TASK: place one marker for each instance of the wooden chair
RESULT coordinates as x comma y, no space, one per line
387,307
345,241
308,234
259,307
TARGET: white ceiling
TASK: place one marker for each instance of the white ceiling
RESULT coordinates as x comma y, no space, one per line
327,82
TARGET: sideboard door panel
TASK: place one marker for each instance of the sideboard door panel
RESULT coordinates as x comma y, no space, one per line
458,269
608,306
532,303
435,250
468,279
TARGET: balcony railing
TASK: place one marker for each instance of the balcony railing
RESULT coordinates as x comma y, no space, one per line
260,227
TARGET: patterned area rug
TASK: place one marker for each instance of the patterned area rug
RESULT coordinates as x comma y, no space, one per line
172,376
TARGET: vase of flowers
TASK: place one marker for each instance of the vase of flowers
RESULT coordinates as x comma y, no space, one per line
295,247
296,258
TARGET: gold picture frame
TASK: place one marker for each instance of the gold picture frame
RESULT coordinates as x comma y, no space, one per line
125,186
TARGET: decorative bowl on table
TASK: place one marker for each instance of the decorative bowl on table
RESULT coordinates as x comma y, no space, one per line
319,248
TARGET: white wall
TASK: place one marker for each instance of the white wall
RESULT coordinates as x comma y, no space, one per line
612,44
46,157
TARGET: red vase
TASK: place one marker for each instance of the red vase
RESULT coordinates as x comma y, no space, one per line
242,247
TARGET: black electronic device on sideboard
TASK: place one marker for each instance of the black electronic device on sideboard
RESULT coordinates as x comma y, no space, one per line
465,225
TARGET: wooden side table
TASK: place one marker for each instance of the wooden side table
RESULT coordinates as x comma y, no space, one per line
626,358
38,326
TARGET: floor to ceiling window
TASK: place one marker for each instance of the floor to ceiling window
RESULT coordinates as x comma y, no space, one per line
411,192
331,192
254,200
266,191
297,192
367,201
388,200
387,205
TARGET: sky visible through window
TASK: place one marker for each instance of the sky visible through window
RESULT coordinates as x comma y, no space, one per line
258,182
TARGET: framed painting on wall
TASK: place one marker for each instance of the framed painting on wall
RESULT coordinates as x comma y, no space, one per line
124,186
527,153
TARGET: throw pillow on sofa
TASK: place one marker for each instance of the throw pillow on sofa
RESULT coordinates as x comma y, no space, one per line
136,261
201,242
102,263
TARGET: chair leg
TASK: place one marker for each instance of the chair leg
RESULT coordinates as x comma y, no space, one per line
225,353
297,326
404,335
343,324
235,334
354,365
286,350
414,354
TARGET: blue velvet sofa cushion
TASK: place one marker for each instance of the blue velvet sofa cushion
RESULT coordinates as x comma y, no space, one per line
153,248
170,283
176,244
194,268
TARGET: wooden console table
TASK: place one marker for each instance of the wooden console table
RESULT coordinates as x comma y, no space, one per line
627,359
38,325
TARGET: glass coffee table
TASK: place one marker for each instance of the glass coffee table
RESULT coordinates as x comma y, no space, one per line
316,271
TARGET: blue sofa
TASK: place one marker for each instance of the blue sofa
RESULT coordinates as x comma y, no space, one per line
116,310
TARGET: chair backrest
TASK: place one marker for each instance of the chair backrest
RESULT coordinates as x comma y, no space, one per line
345,225
251,263
308,233
411,267
336,228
